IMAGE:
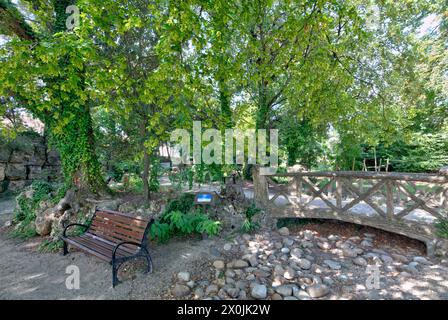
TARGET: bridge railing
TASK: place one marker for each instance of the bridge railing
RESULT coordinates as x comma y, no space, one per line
393,196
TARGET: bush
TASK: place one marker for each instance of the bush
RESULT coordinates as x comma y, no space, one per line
180,219
249,225
184,204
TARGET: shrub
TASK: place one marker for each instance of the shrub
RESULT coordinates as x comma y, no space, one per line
184,204
249,225
180,219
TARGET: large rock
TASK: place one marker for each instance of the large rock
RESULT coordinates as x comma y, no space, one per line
15,171
2,171
44,221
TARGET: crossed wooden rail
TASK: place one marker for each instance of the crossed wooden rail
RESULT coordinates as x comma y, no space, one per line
404,203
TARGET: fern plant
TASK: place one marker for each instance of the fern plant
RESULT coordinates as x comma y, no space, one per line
249,225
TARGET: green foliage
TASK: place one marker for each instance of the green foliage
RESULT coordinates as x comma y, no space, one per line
442,227
155,173
49,246
249,225
25,213
178,223
179,218
183,204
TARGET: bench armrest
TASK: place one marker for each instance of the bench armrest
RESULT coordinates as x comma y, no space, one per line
122,243
71,225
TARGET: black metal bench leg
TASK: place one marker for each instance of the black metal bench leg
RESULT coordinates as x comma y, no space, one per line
115,280
65,249
148,260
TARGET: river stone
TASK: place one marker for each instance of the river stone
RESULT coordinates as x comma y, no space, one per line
360,261
400,258
422,260
308,235
332,264
350,253
211,289
238,264
284,290
290,298
276,296
283,231
219,264
259,291
227,247
285,250
387,259
304,263
317,290
183,276
180,291
233,292
296,253
301,295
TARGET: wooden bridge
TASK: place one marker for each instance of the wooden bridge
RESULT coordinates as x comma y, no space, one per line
403,203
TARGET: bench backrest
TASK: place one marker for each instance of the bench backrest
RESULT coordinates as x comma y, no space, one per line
117,227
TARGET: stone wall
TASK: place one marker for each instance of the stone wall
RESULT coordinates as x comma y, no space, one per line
25,159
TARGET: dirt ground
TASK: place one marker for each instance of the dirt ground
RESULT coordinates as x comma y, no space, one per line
26,273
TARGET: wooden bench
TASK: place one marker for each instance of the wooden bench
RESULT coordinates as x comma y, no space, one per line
113,237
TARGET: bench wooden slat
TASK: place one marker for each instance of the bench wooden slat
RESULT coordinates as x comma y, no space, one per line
97,247
113,229
137,221
130,226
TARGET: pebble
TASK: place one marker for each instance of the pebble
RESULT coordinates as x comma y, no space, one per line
400,258
360,261
211,289
422,260
227,247
183,276
332,264
324,245
284,290
296,253
387,259
350,253
276,296
238,264
317,290
219,264
283,231
285,250
304,263
259,291
180,290
308,235
302,295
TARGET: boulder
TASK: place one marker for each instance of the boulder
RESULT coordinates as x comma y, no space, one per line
2,171
44,221
15,171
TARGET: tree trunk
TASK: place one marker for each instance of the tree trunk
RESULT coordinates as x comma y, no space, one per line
145,176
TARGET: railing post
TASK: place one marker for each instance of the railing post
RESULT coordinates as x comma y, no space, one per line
338,193
261,194
390,199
